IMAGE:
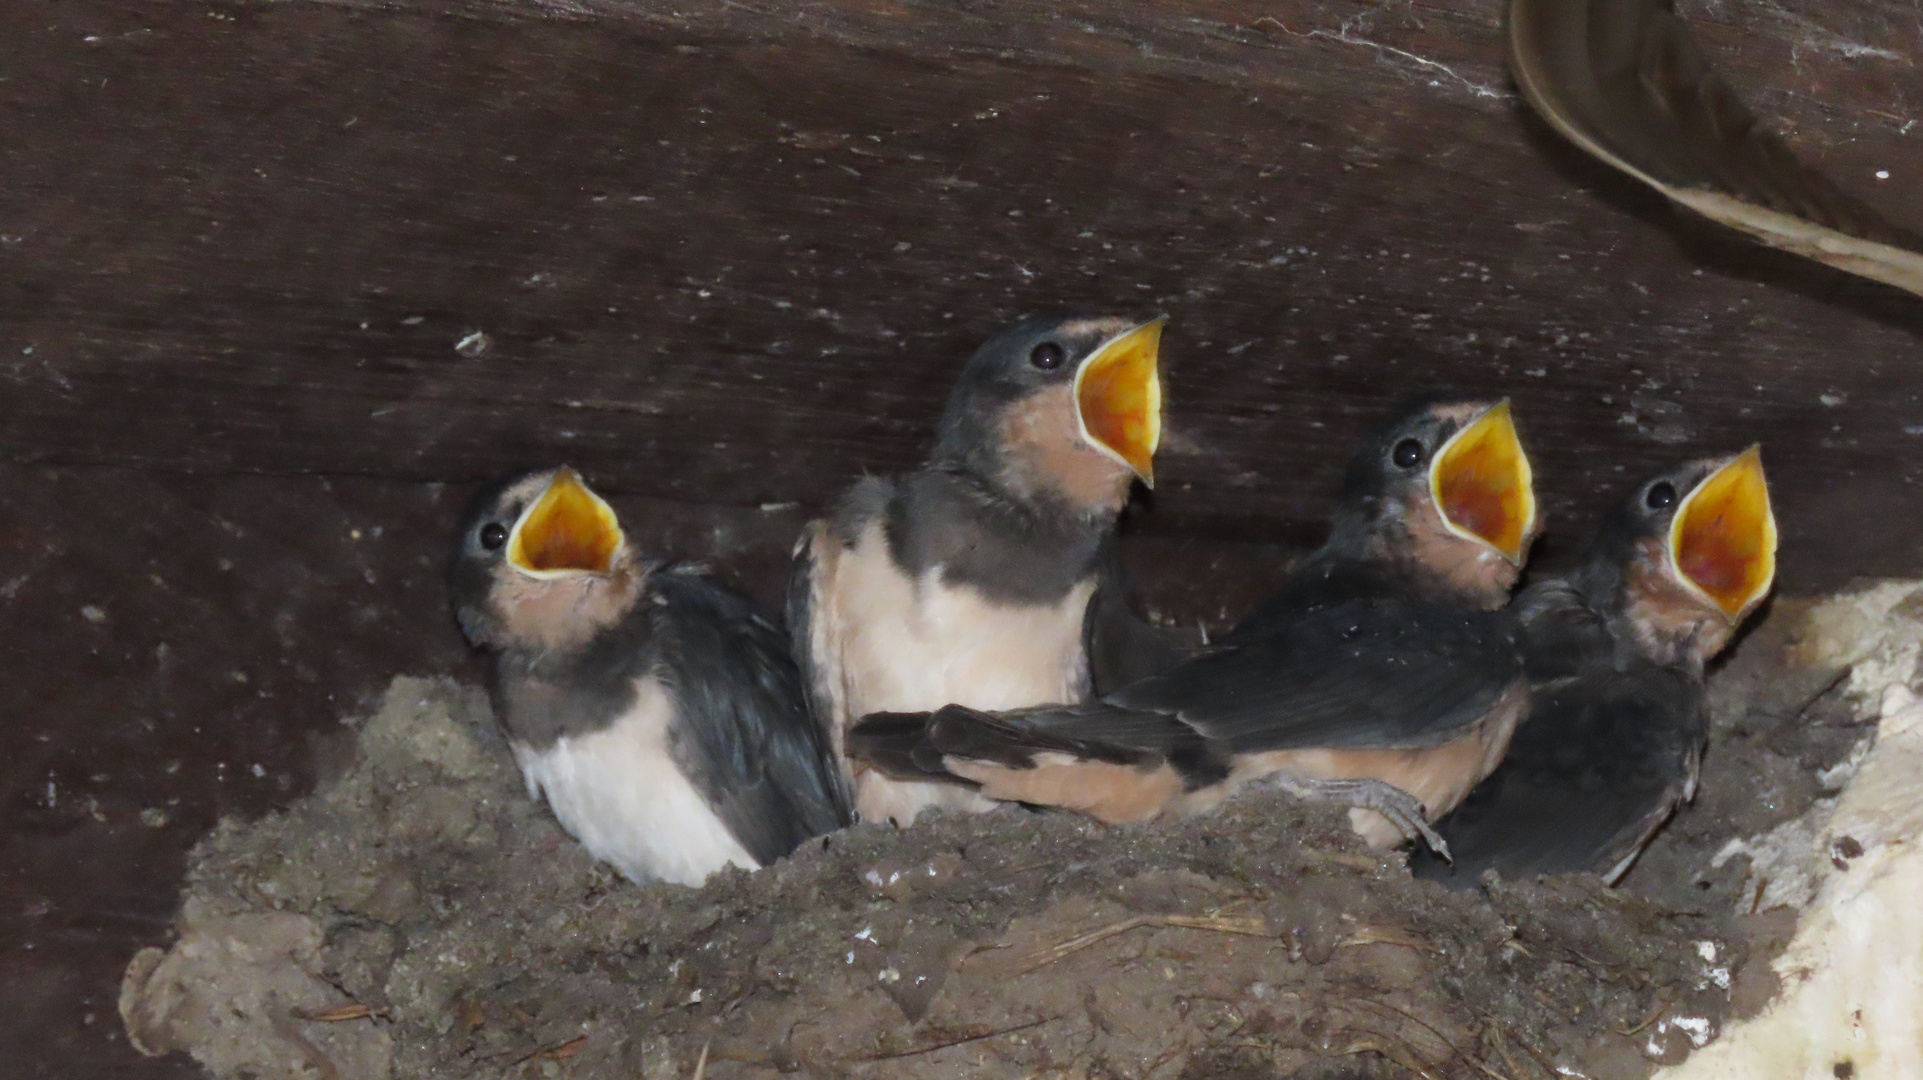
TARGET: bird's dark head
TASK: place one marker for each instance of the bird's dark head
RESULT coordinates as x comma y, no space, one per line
1059,408
1442,491
1688,554
540,561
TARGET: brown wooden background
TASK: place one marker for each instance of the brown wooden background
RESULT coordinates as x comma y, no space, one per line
734,255
727,255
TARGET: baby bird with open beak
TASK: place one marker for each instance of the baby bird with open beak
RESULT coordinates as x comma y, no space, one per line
1615,654
659,712
989,575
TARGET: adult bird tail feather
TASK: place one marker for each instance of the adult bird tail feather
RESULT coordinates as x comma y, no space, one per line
1625,81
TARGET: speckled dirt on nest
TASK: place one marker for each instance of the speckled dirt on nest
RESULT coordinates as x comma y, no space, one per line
418,916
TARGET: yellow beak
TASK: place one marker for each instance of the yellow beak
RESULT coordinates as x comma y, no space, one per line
1722,541
1482,483
1118,398
568,530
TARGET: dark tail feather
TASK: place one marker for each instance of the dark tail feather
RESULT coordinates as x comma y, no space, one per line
1008,740
898,745
913,746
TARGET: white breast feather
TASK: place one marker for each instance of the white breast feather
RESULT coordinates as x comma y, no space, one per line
898,645
618,792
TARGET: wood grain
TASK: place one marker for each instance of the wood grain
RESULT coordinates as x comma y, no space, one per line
733,254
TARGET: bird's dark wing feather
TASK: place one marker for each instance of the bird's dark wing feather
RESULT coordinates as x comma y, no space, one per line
1624,80
1559,634
918,746
1098,730
898,744
1601,763
1122,648
906,746
743,735
1375,672
1014,739
800,615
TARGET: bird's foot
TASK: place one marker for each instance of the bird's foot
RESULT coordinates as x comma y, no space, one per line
1403,810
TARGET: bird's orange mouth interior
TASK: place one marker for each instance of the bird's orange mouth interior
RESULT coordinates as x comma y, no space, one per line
1723,538
1482,483
1118,398
569,529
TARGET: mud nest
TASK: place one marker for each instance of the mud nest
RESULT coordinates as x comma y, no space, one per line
419,916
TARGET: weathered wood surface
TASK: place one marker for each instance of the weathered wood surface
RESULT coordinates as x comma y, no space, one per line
733,253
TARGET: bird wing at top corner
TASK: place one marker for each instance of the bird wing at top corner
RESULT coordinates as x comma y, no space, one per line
1625,81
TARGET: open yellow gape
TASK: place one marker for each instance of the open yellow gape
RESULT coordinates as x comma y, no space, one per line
1722,542
568,530
1118,398
1482,482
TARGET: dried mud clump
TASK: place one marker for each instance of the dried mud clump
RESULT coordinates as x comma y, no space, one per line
420,917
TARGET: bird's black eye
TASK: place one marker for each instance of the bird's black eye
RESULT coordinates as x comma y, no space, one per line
1661,495
1048,356
1406,453
493,535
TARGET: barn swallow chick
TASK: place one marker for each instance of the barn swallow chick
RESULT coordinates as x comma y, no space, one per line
989,576
659,713
1383,675
1615,655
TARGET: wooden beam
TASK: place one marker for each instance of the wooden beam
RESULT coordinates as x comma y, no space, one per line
733,254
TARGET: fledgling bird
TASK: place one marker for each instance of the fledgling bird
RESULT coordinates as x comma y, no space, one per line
989,575
1615,653
1383,675
659,712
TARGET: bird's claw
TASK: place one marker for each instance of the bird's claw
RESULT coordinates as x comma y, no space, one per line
1419,826
1402,809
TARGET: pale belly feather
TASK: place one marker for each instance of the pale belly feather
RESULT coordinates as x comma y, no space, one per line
899,645
619,793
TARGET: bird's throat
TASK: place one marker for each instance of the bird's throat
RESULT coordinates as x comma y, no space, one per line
1045,458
